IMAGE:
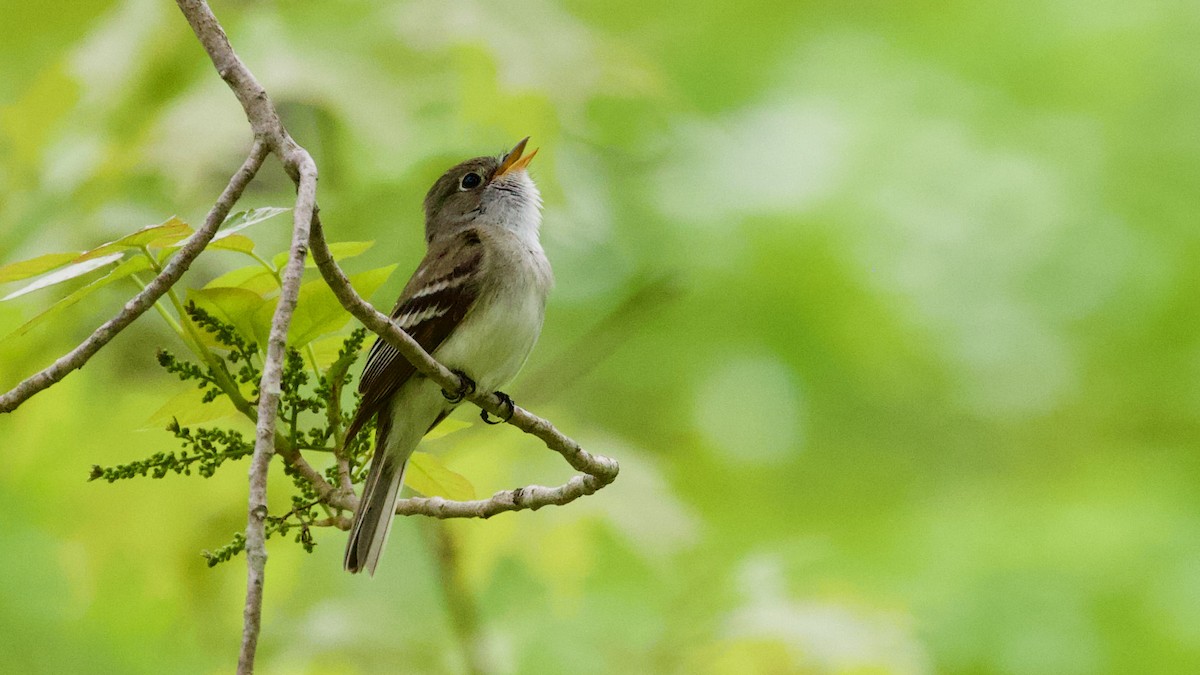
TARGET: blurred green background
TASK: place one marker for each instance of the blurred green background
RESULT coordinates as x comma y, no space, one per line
908,385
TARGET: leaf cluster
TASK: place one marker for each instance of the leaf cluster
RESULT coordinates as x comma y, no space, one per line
310,415
204,451
223,325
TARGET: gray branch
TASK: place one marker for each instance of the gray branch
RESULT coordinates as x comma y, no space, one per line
268,408
269,130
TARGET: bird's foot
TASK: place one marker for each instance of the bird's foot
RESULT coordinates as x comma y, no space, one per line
504,399
466,387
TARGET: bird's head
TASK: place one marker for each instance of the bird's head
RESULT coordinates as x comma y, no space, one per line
493,190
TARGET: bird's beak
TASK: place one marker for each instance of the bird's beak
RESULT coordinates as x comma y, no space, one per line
513,161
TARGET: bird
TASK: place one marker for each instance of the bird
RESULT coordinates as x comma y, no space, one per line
476,303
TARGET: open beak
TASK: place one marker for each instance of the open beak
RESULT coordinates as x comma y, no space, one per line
513,161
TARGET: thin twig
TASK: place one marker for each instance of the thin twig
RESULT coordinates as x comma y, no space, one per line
144,300
336,377
293,457
340,522
268,128
260,111
268,408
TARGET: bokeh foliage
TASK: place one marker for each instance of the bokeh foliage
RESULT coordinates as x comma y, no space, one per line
909,383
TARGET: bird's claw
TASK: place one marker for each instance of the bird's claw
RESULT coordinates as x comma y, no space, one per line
504,399
466,387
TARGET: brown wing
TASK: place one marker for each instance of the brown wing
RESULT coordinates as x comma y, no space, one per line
431,306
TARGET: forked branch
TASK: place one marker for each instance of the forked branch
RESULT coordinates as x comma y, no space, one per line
272,137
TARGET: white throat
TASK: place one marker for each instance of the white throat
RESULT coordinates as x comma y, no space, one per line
514,204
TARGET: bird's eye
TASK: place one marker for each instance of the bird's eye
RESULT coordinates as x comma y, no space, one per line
471,180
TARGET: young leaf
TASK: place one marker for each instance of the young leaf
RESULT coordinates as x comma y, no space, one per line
34,266
171,241
327,349
243,219
429,475
340,250
187,409
319,311
65,274
171,230
447,427
132,266
235,306
254,278
234,242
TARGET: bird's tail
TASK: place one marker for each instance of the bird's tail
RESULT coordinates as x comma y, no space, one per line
376,511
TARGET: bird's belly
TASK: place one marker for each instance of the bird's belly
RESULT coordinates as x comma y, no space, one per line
494,340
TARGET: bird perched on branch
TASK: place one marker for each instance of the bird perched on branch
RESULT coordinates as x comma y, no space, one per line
476,303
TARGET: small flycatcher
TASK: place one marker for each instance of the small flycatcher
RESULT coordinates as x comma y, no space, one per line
476,303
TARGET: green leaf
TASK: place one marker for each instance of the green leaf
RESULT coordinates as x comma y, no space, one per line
429,476
281,259
254,278
339,250
170,242
319,312
34,266
171,230
234,242
326,349
65,274
342,250
186,408
132,266
243,219
448,426
235,306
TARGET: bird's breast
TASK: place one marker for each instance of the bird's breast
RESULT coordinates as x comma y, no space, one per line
499,332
